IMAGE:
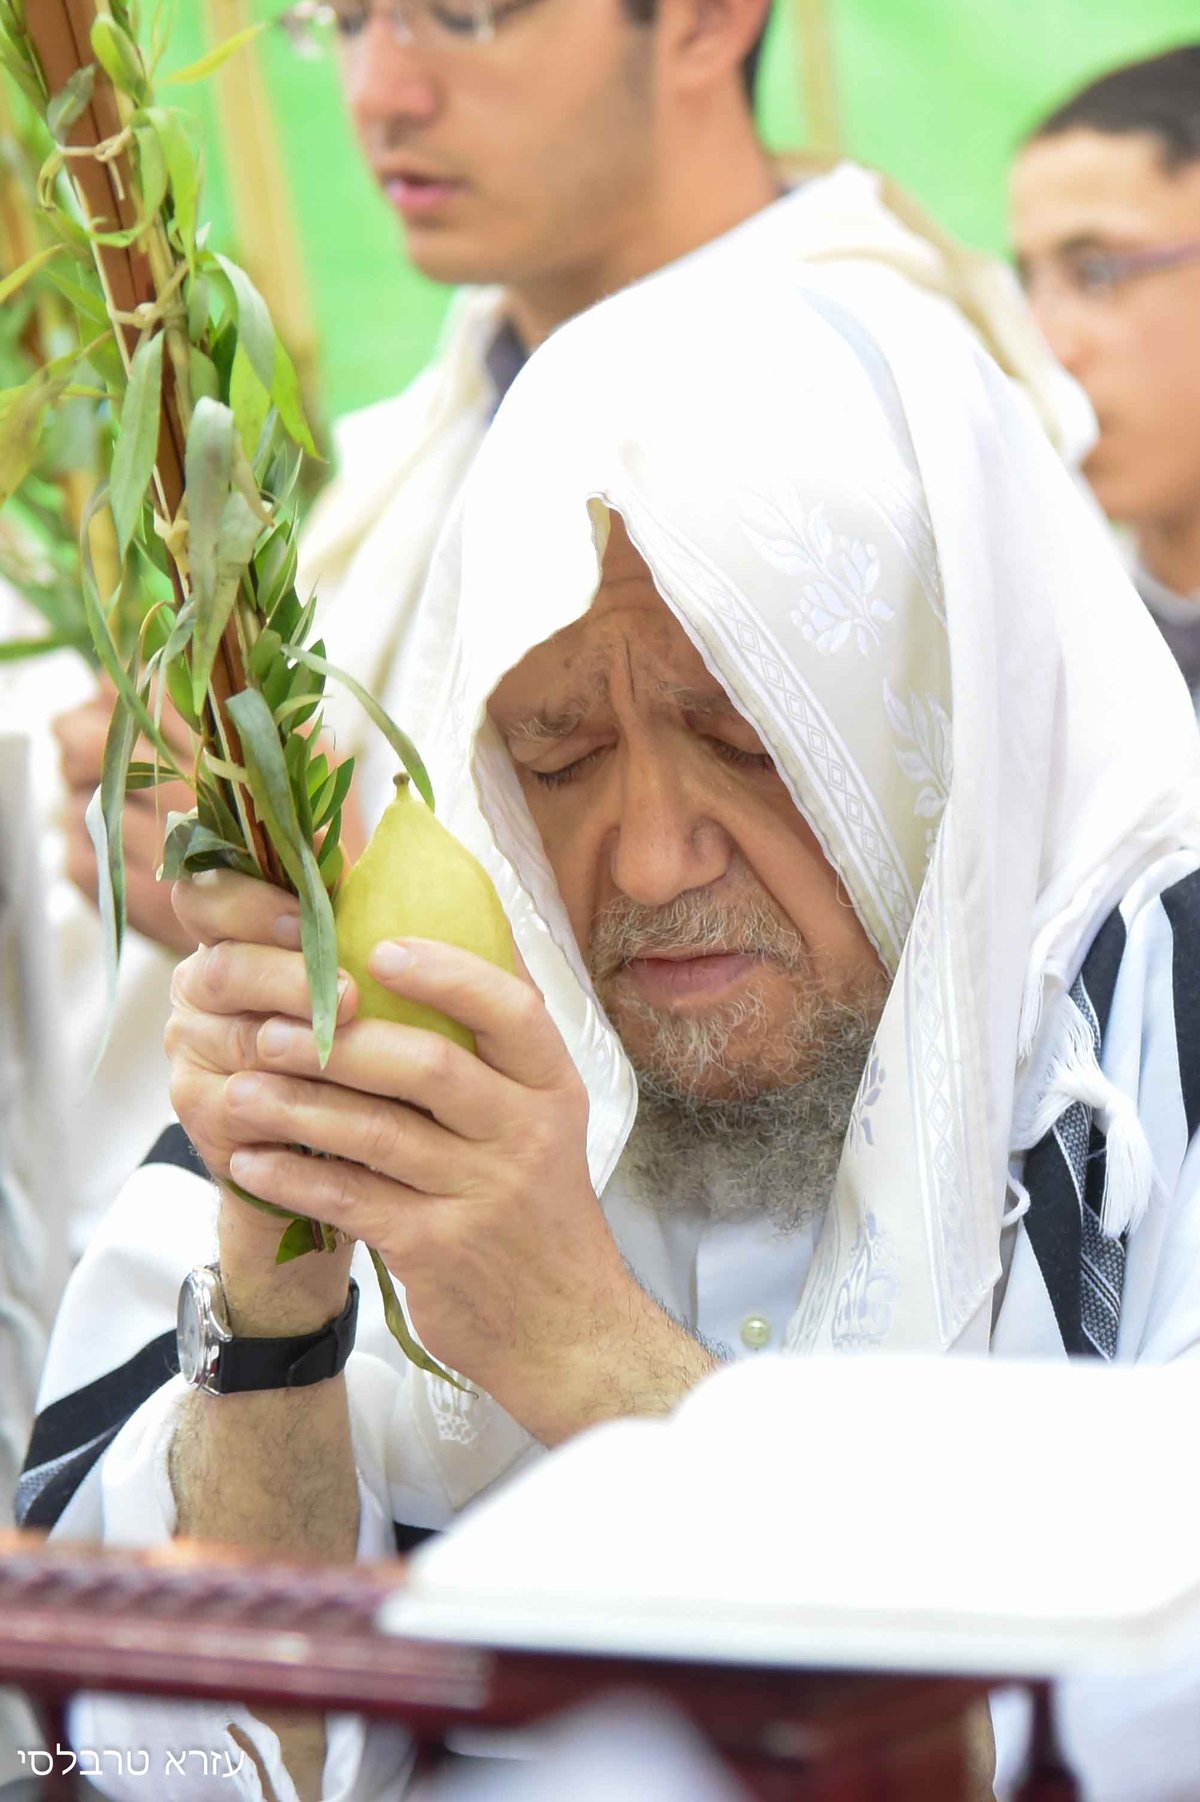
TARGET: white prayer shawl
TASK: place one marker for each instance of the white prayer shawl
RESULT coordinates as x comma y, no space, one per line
859,524
367,546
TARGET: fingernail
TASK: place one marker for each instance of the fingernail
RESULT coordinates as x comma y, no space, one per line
343,985
244,1166
286,931
390,959
275,1038
242,1089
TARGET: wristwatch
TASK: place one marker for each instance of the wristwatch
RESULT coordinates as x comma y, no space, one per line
213,1359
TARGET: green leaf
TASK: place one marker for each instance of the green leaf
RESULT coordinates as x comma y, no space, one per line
269,360
22,411
105,824
285,394
12,283
296,754
222,533
205,65
271,791
265,653
255,1201
400,1330
101,634
12,650
70,103
215,811
183,172
197,308
137,439
400,742
275,568
248,400
190,846
331,860
87,302
333,793
152,170
202,371
18,67
117,55
296,1242
256,333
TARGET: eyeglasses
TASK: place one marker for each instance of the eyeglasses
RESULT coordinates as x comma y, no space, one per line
316,27
1098,274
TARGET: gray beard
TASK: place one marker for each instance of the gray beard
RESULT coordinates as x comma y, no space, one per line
771,1155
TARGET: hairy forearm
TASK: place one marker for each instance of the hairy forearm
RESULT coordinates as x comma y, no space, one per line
273,1471
636,1360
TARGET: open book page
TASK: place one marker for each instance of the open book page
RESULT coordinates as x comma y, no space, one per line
942,1513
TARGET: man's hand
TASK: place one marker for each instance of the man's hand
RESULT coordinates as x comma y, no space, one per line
81,733
467,1173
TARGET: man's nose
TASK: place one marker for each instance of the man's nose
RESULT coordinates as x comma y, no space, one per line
664,841
388,84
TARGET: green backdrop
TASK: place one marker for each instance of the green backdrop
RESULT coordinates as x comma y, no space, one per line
937,92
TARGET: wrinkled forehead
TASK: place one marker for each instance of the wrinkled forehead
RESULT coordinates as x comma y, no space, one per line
630,642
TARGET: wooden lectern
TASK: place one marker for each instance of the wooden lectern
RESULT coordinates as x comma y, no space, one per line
201,1622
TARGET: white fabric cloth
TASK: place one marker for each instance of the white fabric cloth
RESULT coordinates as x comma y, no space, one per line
34,1202
861,526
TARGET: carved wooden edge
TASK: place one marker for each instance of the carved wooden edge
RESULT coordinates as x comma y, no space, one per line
75,1617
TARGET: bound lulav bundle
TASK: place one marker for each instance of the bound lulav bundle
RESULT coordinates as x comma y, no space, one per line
207,449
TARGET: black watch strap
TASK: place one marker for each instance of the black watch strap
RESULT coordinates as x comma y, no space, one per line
247,1364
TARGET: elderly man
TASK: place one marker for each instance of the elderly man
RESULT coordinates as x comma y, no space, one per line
787,678
1106,225
575,148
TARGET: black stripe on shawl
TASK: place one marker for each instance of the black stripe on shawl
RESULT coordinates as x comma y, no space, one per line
409,1538
72,1434
1181,903
174,1147
80,1428
1053,1221
1101,968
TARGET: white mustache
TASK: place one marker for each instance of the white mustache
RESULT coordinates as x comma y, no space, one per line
693,922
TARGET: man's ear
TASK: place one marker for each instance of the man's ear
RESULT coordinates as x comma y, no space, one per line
703,41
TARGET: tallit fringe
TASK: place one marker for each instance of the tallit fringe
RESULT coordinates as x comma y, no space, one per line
1074,1074
1033,1003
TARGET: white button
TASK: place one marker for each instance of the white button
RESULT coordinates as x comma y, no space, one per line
756,1331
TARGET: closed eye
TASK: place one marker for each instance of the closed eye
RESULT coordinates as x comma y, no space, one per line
569,771
758,760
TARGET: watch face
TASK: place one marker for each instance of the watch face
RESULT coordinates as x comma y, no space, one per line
201,1328
189,1332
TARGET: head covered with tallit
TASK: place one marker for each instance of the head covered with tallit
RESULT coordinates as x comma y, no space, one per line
859,526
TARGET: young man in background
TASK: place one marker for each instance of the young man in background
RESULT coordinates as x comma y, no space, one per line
1106,225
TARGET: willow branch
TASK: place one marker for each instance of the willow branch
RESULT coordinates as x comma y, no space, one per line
135,278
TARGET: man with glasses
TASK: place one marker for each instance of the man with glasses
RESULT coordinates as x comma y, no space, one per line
1106,224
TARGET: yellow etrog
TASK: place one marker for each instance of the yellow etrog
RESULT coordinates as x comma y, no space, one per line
415,880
